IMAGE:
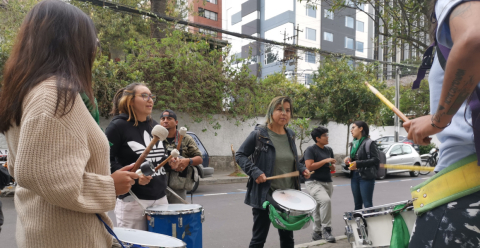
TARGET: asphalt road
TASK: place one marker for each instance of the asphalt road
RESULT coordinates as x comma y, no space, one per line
228,221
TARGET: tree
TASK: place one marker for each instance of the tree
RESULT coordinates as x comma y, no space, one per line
342,95
302,129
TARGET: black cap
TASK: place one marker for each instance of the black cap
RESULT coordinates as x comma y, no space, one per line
170,114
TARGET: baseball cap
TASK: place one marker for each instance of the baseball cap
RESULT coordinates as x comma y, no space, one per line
168,113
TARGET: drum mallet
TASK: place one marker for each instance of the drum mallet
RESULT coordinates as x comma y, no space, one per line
407,167
290,174
159,133
181,132
146,169
387,102
174,154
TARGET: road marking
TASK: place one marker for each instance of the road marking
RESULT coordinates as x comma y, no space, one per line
216,194
425,178
303,188
405,180
383,182
242,189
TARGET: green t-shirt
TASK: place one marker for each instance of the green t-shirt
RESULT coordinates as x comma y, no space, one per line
284,161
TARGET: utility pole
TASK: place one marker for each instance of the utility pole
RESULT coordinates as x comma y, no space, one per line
284,42
397,101
296,53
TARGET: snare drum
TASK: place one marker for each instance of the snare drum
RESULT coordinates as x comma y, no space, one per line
372,227
143,239
182,221
293,202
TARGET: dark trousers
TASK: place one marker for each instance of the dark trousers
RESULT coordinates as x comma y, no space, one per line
454,224
261,225
1,216
362,191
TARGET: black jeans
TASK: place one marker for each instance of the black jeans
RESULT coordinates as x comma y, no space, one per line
261,225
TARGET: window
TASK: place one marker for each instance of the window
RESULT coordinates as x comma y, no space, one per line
348,43
360,46
360,26
328,36
308,79
349,21
212,1
311,34
270,56
207,14
328,14
311,11
310,57
407,150
361,6
396,150
349,3
209,32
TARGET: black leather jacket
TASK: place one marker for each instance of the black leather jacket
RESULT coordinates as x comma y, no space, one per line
362,158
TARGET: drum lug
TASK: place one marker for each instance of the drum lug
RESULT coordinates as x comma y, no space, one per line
362,231
202,217
152,223
180,221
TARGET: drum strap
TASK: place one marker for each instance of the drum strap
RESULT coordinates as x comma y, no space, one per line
457,180
110,230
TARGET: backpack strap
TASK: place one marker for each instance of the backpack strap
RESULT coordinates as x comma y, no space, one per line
368,142
258,147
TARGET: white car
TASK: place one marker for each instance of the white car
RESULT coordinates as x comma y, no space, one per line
402,154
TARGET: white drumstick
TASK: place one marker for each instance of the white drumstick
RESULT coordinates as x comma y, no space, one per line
174,154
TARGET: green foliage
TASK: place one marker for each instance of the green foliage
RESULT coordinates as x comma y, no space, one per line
426,149
302,129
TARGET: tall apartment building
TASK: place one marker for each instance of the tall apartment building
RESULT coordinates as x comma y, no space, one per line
209,13
347,31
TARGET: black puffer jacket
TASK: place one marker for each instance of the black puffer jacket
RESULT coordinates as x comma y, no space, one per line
362,158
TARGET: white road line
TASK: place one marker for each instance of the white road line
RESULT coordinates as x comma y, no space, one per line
383,182
405,180
242,189
303,188
215,194
425,178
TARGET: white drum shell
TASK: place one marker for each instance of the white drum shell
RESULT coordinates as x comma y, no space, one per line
379,224
131,237
296,202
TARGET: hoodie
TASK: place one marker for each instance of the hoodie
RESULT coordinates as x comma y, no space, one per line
128,143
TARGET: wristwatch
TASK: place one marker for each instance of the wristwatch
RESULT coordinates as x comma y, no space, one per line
191,161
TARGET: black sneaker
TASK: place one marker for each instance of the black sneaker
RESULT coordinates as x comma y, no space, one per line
316,236
327,235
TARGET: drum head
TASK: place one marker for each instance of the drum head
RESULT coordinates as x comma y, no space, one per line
294,200
173,209
148,239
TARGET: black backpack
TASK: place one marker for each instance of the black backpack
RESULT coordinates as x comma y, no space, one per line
4,177
373,172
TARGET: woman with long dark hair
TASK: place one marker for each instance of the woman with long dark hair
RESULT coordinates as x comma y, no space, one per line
278,157
58,154
447,204
129,132
362,183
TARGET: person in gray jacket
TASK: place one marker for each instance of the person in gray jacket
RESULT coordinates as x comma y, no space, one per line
276,155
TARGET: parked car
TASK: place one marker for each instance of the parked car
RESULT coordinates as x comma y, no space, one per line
203,169
397,154
387,141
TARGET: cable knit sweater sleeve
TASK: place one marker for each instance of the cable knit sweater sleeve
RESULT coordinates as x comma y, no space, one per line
55,170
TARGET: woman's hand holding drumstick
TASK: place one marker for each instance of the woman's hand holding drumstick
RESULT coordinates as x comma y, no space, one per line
262,178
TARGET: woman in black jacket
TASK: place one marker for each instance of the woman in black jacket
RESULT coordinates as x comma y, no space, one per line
362,183
277,155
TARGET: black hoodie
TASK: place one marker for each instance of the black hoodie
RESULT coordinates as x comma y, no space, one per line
128,143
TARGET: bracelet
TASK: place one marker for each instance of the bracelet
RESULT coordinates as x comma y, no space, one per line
433,125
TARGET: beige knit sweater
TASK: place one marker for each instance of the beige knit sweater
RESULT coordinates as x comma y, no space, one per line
62,168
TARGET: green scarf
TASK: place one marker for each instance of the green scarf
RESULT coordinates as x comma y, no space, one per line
400,234
355,145
93,109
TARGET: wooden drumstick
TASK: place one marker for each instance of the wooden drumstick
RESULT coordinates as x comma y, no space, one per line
387,102
159,133
181,133
173,154
407,167
290,174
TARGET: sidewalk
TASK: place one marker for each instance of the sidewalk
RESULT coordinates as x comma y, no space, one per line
342,242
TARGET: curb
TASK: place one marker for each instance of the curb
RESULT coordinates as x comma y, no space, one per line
319,243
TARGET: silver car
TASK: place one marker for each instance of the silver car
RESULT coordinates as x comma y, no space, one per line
397,154
387,141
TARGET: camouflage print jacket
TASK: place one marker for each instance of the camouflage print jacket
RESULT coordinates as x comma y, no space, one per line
188,148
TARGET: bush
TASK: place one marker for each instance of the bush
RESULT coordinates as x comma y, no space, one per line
426,149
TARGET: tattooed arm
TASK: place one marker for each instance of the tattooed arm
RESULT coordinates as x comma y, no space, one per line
462,73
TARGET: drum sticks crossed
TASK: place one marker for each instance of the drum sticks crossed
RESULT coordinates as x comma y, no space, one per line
290,174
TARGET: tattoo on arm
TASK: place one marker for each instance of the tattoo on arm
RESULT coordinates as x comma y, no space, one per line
462,96
456,82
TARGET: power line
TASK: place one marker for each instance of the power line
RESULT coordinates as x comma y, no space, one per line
135,10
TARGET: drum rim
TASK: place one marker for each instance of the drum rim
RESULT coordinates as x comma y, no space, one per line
295,210
384,209
174,212
184,245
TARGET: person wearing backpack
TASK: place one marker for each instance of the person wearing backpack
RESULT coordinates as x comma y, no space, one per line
363,165
320,158
272,147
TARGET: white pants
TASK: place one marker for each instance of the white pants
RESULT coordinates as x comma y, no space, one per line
130,214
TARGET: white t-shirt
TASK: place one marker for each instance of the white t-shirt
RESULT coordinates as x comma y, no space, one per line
457,139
